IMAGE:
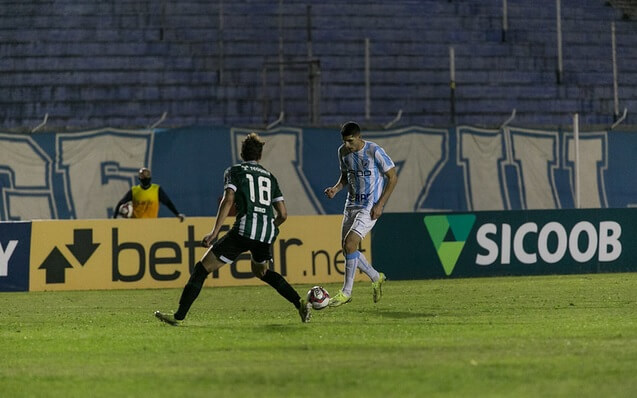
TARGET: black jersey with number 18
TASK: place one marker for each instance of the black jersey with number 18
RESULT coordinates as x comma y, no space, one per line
256,189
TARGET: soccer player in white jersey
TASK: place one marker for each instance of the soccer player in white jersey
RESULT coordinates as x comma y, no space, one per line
256,194
371,177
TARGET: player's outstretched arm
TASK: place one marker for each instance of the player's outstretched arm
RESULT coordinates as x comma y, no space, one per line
281,212
330,192
165,200
224,209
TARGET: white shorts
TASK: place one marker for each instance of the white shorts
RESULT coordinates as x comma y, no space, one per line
358,221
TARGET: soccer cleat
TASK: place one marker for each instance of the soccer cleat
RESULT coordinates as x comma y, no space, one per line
340,299
378,287
167,318
305,310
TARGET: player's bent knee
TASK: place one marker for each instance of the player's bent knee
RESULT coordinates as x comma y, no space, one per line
211,263
350,246
351,242
259,269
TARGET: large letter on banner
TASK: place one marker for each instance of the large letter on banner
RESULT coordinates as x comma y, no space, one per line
481,154
283,156
536,156
419,154
100,166
25,180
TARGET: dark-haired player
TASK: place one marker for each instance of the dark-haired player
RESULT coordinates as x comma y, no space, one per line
256,194
371,177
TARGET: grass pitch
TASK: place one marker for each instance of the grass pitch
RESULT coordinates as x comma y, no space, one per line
510,337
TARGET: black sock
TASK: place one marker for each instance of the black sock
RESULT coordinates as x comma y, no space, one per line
191,290
282,286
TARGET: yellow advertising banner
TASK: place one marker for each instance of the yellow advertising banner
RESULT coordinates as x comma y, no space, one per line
160,253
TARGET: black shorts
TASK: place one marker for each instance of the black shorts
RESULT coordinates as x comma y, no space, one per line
231,245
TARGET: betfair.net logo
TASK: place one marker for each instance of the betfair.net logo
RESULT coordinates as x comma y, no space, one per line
449,234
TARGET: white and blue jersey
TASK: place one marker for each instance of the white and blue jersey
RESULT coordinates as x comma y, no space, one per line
365,171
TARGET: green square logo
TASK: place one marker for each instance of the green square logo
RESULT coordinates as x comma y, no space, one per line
449,234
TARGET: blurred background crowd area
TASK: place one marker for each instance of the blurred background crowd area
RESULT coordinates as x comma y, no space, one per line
83,64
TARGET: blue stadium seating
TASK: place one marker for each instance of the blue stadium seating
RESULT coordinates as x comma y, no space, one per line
93,64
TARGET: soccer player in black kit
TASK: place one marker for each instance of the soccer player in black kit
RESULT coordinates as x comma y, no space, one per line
260,207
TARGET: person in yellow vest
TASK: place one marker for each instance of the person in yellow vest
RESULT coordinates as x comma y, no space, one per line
146,198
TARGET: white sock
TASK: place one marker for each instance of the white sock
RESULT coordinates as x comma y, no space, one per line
350,271
367,268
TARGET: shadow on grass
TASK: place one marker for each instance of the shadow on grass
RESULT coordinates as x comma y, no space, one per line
281,327
401,314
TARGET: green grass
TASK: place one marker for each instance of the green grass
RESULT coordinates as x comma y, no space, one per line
509,337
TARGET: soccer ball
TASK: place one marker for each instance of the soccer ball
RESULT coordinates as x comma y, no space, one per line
318,297
126,210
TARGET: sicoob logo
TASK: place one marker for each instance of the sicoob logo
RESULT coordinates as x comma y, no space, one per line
449,234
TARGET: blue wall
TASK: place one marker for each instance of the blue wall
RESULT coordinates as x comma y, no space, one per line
84,174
